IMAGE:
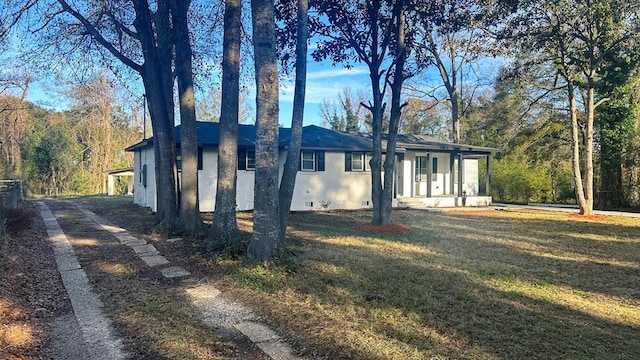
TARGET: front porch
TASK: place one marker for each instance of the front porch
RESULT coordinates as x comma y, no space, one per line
437,178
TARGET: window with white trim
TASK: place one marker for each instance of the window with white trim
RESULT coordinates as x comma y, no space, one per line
247,159
307,160
357,161
311,160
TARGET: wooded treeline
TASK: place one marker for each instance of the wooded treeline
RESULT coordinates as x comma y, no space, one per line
71,151
563,108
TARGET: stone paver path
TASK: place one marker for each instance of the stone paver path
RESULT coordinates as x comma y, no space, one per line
99,338
216,310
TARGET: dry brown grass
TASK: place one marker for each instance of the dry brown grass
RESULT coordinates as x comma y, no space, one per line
456,285
464,285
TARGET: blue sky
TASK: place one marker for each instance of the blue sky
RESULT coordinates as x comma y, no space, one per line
324,81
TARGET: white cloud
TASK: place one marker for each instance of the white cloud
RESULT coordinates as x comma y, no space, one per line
336,72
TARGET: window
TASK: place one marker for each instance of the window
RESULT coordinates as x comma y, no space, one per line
307,160
357,161
434,169
311,160
421,168
179,159
246,159
251,159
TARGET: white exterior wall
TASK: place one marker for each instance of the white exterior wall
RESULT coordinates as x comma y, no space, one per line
333,188
407,175
471,179
208,180
144,195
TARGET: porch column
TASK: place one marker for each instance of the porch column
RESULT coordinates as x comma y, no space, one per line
488,178
130,185
429,175
452,171
110,185
460,174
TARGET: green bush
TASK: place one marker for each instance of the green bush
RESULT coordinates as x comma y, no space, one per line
514,180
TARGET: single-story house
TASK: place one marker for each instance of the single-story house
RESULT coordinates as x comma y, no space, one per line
334,170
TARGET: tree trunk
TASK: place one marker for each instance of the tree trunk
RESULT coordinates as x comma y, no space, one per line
376,157
161,118
266,242
588,158
225,226
394,120
575,151
292,164
190,219
455,116
450,83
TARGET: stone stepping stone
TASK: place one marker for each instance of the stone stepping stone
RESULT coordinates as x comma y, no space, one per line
146,249
154,260
174,272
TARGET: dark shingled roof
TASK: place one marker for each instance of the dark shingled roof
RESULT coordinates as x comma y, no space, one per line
315,137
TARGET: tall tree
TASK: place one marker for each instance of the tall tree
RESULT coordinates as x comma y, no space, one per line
190,219
266,242
615,123
577,37
140,40
452,42
292,163
156,75
396,83
225,227
345,114
421,117
100,127
13,113
367,31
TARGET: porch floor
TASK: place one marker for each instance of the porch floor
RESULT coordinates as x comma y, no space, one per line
443,201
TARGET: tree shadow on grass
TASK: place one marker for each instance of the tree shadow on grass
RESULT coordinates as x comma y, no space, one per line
451,307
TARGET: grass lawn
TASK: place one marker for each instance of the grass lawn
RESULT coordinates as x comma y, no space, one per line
459,285
482,284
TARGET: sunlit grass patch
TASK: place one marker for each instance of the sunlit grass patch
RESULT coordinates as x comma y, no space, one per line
463,285
483,284
610,308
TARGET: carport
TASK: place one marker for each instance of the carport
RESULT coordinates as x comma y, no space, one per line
111,180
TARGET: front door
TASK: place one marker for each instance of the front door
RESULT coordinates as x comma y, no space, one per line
420,175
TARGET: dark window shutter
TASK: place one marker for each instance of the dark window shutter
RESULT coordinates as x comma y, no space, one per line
320,160
143,175
347,161
200,160
242,159
400,157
